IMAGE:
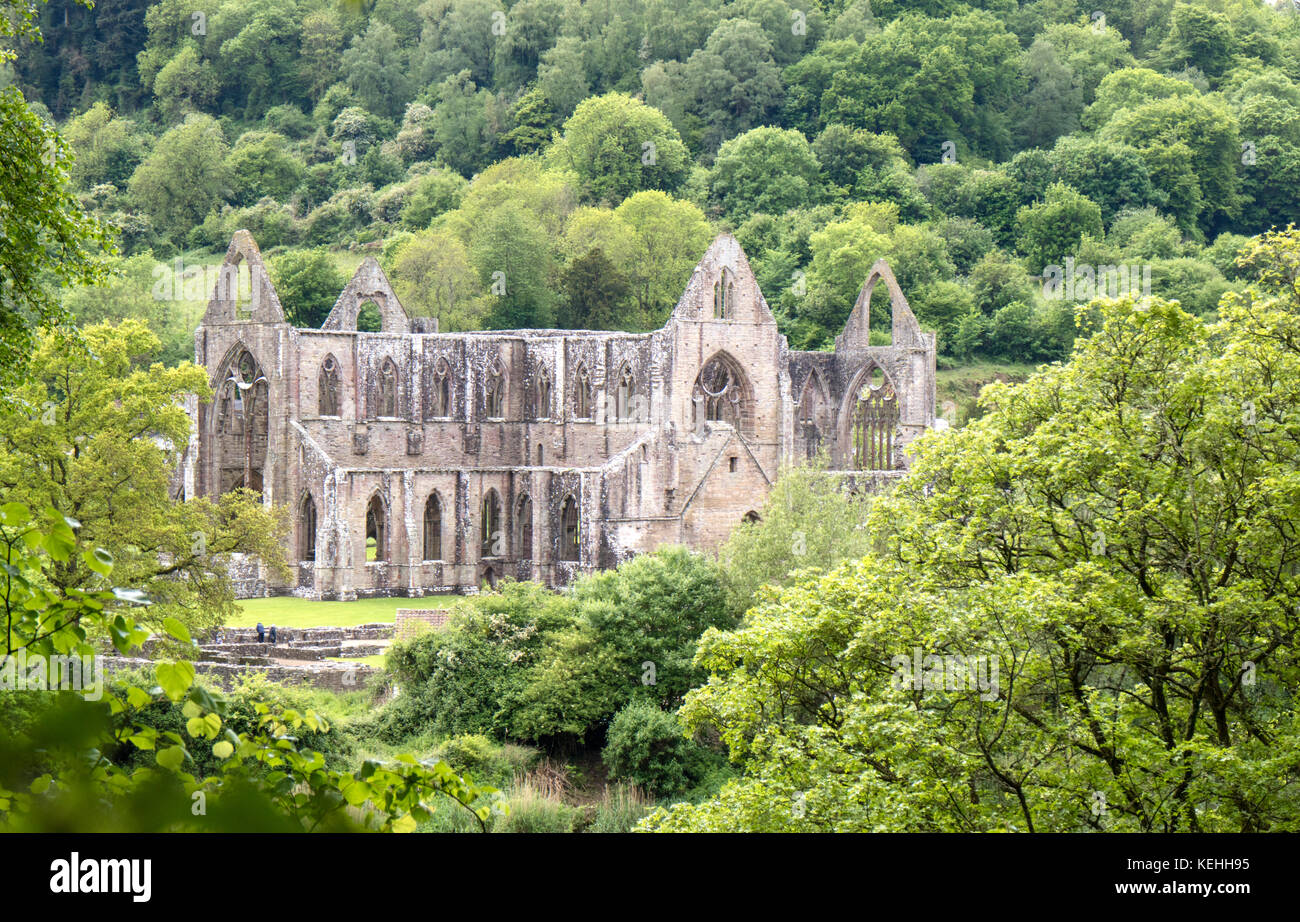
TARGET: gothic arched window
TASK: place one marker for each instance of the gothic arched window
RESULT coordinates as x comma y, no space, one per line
524,528
569,529
543,397
495,391
328,386
388,393
307,529
624,395
492,544
440,393
719,392
376,530
582,393
433,528
875,420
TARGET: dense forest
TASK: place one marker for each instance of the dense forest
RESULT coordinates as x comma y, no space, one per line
590,150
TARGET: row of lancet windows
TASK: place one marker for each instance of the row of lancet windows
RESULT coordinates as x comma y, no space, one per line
441,405
492,535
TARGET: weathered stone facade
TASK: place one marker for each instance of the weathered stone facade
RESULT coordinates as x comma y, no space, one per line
416,462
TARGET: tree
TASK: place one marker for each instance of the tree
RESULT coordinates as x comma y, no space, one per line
765,169
617,146
308,283
808,523
185,176
668,238
48,239
433,276
260,166
514,258
107,147
97,431
185,84
92,753
595,294
919,80
374,67
1053,229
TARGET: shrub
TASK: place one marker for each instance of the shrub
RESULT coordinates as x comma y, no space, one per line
646,746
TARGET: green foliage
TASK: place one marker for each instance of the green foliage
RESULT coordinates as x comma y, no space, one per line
308,282
646,747
617,146
96,428
59,768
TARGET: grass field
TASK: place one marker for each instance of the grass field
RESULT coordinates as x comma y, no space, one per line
288,611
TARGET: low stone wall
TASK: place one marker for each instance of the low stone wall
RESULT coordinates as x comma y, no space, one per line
412,622
310,636
339,677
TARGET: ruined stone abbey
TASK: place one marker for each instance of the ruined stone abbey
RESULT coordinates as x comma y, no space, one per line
415,461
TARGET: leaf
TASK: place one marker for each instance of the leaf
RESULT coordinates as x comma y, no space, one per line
177,630
175,678
99,560
173,757
223,750
406,823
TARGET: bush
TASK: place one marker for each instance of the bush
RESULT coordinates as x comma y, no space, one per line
486,762
646,746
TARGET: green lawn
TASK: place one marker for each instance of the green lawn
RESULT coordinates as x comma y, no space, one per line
375,662
289,611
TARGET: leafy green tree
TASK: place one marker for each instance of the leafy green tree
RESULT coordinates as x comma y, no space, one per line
374,67
668,237
185,84
765,169
185,176
96,430
617,146
919,79
515,261
308,283
107,148
1187,135
260,166
1053,229
647,748
48,238
808,523
433,276
595,294
114,765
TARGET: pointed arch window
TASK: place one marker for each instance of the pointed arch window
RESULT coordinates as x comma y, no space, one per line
307,529
875,421
624,395
494,391
717,299
728,298
524,528
440,393
376,531
543,396
433,527
492,539
388,391
569,536
719,392
582,393
329,387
